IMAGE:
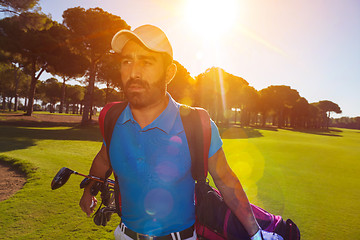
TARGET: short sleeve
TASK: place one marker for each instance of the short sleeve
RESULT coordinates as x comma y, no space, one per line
216,142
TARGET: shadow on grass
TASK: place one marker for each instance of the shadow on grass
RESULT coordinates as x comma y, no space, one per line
237,132
21,137
31,123
21,168
325,132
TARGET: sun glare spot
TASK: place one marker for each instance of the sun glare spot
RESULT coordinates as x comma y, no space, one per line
199,55
207,16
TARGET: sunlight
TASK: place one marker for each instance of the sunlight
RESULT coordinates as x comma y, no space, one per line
212,21
206,16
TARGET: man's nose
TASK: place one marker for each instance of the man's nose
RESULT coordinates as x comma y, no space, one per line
135,70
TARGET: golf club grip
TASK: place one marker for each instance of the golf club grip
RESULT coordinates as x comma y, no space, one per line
95,178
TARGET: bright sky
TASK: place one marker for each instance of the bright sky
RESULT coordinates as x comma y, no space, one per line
311,45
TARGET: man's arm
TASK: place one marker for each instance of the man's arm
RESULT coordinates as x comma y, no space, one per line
232,191
99,167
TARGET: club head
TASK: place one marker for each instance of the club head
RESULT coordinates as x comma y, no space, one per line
61,178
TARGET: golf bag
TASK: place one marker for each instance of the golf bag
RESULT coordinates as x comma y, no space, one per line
214,219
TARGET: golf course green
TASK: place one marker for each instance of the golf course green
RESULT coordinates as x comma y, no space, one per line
311,177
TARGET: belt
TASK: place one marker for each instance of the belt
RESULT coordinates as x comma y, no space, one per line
184,234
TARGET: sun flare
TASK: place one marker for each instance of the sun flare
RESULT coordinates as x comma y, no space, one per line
207,16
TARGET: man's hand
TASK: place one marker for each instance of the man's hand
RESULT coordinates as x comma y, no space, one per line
88,203
99,167
264,235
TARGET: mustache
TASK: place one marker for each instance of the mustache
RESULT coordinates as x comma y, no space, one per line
137,81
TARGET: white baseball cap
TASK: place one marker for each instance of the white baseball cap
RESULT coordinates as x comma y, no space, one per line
152,37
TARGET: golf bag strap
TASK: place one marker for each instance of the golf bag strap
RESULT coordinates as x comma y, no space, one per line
103,114
107,120
196,122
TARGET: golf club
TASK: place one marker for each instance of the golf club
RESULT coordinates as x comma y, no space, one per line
64,174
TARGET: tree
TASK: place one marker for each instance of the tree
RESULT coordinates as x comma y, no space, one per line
300,113
316,116
327,107
182,87
67,65
17,6
99,97
279,100
4,84
215,90
74,95
248,101
52,89
109,74
12,80
92,31
36,38
346,122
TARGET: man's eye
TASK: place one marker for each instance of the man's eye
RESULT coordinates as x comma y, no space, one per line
125,62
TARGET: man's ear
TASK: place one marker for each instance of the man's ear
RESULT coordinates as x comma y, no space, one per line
170,72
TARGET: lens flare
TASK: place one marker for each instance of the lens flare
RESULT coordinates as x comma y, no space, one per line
247,162
159,203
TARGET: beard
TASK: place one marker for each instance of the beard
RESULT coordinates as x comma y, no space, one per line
152,92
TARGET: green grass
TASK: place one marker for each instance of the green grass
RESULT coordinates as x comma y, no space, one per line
311,178
37,212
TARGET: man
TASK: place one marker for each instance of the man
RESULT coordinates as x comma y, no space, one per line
149,151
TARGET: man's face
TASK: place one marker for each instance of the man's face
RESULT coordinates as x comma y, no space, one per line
142,75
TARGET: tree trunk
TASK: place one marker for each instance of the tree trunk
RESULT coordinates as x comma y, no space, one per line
263,122
88,99
107,93
16,89
34,79
62,95
281,118
327,120
32,89
25,104
67,105
3,103
9,103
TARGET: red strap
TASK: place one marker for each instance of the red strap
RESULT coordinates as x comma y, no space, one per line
102,116
206,126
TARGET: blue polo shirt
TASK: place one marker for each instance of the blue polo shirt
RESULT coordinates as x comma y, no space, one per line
153,166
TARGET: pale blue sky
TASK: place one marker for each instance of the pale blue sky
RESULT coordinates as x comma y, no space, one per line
311,45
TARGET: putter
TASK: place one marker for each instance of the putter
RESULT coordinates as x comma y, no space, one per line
64,174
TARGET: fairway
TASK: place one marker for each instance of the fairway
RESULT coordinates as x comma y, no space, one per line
311,178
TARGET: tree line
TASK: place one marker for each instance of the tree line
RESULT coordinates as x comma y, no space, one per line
49,97
231,100
79,48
